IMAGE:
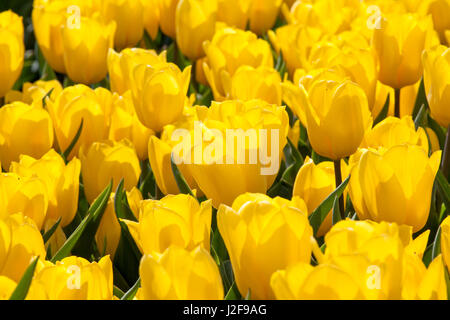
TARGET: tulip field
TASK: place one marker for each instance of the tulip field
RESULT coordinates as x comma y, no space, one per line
225,150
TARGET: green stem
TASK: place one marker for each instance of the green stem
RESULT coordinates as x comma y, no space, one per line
446,155
338,179
397,102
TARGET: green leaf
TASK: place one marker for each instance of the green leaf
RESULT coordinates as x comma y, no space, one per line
130,294
318,215
336,212
233,293
436,245
384,112
440,132
121,205
181,182
117,292
21,291
427,255
51,231
419,121
443,188
421,99
92,220
74,141
44,99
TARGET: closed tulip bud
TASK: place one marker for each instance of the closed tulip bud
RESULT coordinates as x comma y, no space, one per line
394,185
61,182
195,21
337,116
314,183
34,93
151,17
234,12
108,160
302,281
108,233
263,236
167,12
227,51
238,150
129,17
393,131
445,241
250,83
75,278
12,50
263,15
126,125
174,220
153,88
121,66
21,242
85,61
24,129
74,104
437,83
399,43
196,277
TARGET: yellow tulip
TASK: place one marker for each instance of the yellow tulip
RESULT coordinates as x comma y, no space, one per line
399,43
159,155
7,287
74,104
75,278
393,131
394,185
108,160
224,170
445,241
121,66
234,12
228,50
250,83
61,182
108,233
129,17
263,15
167,11
48,17
126,125
262,236
360,66
196,276
154,87
295,42
302,281
433,285
437,83
174,220
35,92
314,183
440,11
24,194
382,258
21,242
337,116
151,17
12,50
86,48
194,23
24,129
